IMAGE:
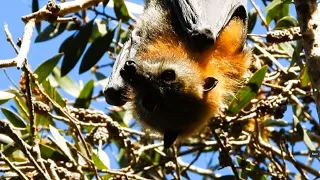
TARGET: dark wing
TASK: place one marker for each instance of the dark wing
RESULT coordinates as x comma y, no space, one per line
197,21
202,20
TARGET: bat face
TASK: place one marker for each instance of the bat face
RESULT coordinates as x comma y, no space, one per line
168,94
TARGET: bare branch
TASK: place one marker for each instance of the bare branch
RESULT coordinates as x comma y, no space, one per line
51,10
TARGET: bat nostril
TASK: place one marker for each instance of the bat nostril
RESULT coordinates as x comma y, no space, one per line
129,70
130,66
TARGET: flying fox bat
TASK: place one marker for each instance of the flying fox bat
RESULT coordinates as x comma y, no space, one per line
181,63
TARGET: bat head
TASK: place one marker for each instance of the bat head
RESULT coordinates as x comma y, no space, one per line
168,94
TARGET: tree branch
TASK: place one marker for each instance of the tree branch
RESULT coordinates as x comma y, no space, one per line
310,29
52,10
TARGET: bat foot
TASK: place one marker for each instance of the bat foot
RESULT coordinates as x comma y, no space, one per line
169,137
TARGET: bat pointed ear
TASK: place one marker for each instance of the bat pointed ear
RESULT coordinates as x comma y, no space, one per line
232,37
209,84
169,137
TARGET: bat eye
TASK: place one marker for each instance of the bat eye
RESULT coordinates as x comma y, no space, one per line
209,84
168,75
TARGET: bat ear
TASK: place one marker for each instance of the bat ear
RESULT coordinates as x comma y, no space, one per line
232,37
169,137
209,84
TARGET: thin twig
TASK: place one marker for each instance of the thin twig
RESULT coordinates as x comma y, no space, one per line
274,60
25,148
12,166
260,15
174,149
72,122
60,10
9,38
8,63
224,150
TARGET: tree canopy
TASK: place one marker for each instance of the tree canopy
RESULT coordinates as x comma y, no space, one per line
53,127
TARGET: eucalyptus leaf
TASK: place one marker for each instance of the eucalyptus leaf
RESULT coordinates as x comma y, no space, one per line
303,133
121,10
22,107
276,10
84,98
53,93
287,47
61,142
15,119
4,139
96,51
252,20
100,159
50,32
286,22
245,94
48,152
5,96
66,83
35,7
304,77
45,68
74,46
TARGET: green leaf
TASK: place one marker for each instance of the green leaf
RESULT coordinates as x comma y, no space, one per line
100,76
304,77
53,93
84,98
5,96
287,47
61,142
276,122
45,68
67,84
272,5
100,159
277,9
248,168
245,94
22,107
50,32
125,34
15,119
43,120
48,152
100,28
286,22
296,55
303,133
121,11
252,20
4,139
73,48
35,7
96,51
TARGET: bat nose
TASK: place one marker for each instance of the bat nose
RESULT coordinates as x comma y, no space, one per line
114,96
130,67
128,71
